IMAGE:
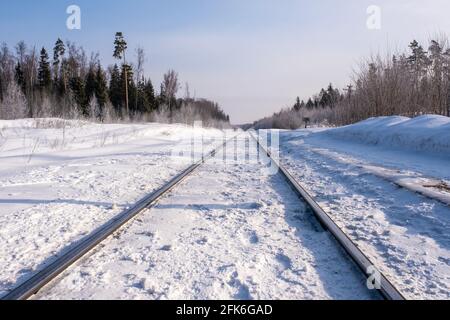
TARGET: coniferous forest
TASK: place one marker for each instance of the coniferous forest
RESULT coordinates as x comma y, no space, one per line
68,83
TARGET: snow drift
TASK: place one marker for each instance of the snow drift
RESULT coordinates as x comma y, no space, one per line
429,133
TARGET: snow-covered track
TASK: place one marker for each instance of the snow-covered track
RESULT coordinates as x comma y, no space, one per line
387,289
34,284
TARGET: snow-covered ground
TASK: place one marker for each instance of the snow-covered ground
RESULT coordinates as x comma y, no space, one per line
59,180
356,171
230,231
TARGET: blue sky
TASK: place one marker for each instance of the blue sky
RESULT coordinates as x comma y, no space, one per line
252,56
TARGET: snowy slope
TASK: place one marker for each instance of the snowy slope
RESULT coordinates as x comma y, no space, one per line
230,231
355,173
428,133
60,181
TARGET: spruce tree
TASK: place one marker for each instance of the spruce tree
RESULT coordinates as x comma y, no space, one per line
162,99
19,77
333,96
78,91
101,88
149,92
44,72
90,84
115,89
310,104
324,99
297,105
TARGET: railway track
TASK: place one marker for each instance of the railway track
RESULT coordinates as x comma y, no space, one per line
33,285
386,288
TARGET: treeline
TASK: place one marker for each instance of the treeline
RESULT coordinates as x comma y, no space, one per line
68,83
413,83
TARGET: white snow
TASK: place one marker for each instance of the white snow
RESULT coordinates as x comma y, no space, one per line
429,133
230,231
355,172
59,180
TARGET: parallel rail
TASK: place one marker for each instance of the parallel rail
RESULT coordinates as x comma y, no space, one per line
34,284
387,289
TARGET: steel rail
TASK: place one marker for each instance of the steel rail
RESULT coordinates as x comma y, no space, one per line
386,288
34,284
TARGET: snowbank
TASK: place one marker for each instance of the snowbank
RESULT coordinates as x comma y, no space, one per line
429,133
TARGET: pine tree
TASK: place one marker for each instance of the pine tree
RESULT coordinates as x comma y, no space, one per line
44,72
119,52
58,52
418,59
127,86
437,94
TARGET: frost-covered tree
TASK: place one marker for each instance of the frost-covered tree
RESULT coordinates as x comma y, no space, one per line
66,85
139,72
46,108
169,88
94,110
14,104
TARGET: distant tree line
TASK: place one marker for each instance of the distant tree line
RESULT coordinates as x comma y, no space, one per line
70,84
410,84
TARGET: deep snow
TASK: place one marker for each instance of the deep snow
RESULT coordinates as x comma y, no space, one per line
355,173
58,184
429,133
230,231
247,236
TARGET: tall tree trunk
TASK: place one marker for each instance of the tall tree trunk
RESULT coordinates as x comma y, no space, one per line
126,84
